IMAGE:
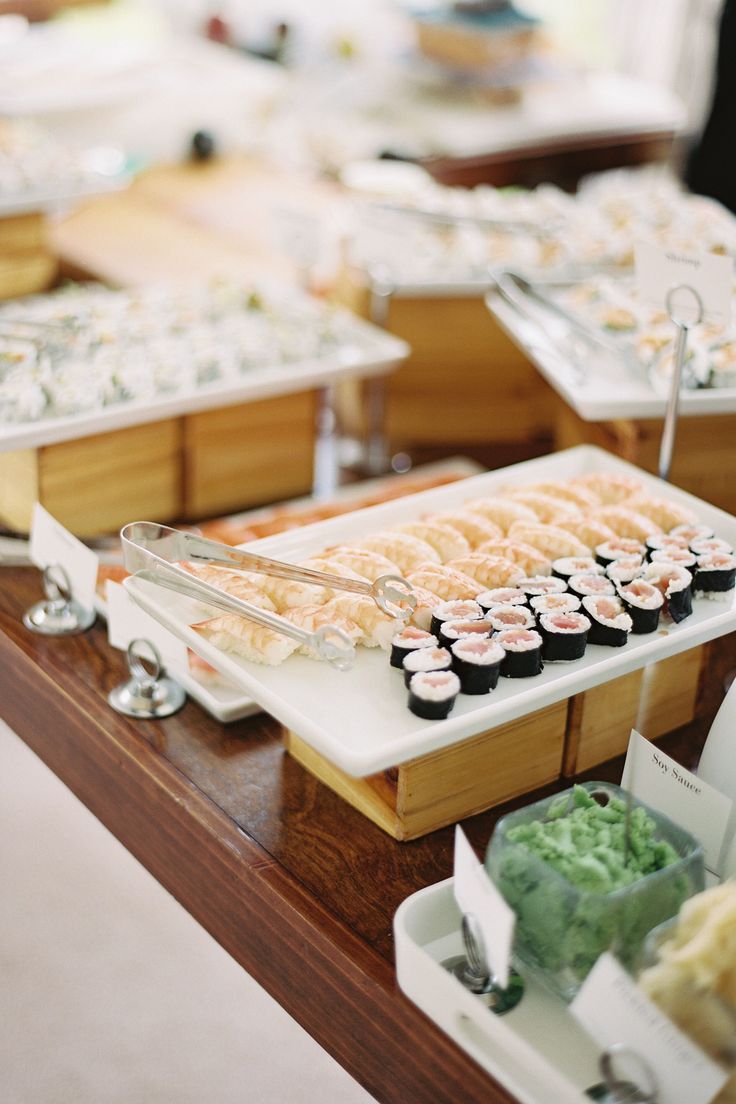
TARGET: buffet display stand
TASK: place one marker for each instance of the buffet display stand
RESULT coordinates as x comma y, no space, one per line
298,887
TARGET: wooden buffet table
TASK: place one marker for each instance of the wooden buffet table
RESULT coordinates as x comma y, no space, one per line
297,886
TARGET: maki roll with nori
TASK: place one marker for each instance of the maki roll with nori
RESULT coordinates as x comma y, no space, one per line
643,602
432,694
455,630
466,609
409,640
617,547
659,541
710,544
510,617
692,532
568,566
523,648
716,576
625,569
610,624
426,659
583,585
675,584
682,556
542,584
564,636
477,664
554,603
501,596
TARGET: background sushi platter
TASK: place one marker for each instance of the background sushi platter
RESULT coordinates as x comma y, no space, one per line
359,719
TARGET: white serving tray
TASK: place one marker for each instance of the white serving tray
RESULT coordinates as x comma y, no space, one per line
602,394
386,351
359,719
537,1051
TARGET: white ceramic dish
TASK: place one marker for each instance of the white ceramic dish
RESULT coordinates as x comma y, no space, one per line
601,394
536,1051
359,719
385,352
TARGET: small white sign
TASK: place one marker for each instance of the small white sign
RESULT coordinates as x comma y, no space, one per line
51,544
126,621
659,781
614,1010
476,894
659,270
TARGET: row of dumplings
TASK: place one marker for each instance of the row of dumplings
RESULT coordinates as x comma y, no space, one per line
488,542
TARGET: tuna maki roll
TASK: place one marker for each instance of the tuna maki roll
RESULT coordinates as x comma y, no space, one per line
625,569
408,640
477,664
609,623
710,544
554,603
675,584
426,659
582,585
501,596
455,630
523,649
568,566
510,617
643,602
542,584
665,540
692,532
452,611
564,636
432,694
716,576
616,548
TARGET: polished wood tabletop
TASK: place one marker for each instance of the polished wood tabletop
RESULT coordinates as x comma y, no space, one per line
296,885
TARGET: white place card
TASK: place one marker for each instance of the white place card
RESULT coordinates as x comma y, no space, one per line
51,543
126,621
614,1010
659,781
476,894
659,269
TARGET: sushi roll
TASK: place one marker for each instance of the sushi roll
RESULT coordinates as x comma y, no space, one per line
510,617
501,596
659,541
625,569
408,640
426,659
643,602
523,649
466,609
564,636
583,585
675,584
716,576
681,556
554,603
609,622
477,664
692,533
456,630
567,566
614,549
542,584
432,694
710,544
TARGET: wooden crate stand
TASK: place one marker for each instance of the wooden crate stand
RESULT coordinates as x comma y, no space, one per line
456,782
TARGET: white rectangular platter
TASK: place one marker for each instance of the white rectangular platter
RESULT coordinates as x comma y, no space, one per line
353,361
536,1051
602,394
359,719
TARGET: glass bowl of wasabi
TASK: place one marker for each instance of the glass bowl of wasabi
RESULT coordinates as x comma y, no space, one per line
578,888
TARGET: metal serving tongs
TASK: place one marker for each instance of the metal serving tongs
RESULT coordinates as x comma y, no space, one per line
482,222
153,552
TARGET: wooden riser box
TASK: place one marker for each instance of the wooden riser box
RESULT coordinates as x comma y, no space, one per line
560,741
464,383
182,468
703,454
27,265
